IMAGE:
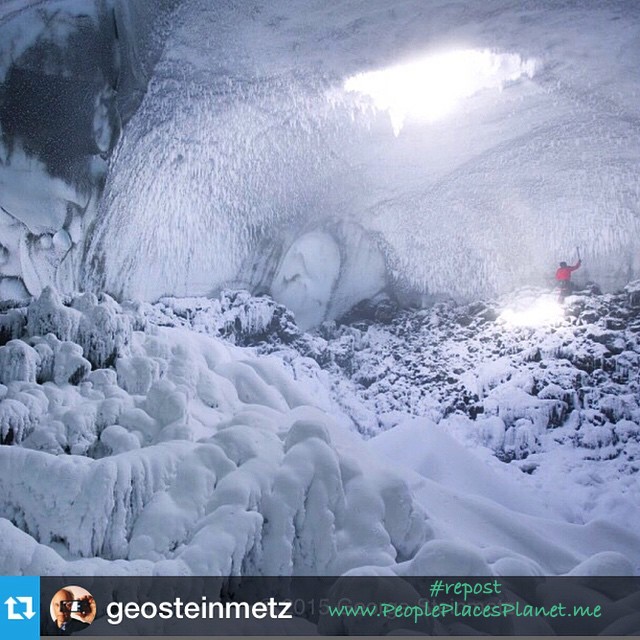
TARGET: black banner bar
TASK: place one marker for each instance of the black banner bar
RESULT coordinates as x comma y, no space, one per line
363,606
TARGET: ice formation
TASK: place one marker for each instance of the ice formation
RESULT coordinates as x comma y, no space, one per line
189,455
71,74
475,203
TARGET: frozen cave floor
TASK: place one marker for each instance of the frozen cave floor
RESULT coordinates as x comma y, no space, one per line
199,436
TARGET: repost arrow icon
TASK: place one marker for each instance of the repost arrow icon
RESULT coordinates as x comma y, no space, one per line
11,606
29,612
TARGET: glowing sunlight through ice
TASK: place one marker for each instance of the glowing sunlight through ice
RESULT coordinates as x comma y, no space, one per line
430,87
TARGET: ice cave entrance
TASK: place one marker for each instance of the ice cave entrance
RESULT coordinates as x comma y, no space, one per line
429,87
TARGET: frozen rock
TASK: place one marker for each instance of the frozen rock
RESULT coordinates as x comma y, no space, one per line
18,361
627,430
69,365
82,432
47,358
15,421
241,461
12,325
251,387
165,404
118,440
99,326
103,378
104,331
303,429
137,420
50,437
236,315
521,439
47,314
137,373
633,292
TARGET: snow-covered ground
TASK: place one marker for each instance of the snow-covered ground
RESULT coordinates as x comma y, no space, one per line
552,390
199,436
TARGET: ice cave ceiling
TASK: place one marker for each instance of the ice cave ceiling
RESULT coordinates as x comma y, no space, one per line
322,151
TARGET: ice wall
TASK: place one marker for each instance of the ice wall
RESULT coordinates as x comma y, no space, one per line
247,162
247,151
71,72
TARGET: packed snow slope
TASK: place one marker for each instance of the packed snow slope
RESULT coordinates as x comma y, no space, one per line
213,437
422,147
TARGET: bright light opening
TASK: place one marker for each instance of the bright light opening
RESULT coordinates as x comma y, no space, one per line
429,88
538,312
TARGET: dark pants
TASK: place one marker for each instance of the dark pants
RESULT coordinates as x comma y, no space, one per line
566,288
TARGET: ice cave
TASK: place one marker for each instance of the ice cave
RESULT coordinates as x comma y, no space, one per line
277,287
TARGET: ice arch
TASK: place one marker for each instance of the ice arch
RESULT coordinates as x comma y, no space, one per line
244,135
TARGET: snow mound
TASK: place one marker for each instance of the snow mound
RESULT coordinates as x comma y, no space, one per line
99,326
192,455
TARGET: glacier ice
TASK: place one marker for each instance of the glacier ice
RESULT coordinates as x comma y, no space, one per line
71,73
478,202
237,149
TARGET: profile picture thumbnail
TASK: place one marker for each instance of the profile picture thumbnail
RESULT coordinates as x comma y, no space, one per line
73,609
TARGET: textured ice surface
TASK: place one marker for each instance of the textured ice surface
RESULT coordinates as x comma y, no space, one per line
558,400
71,72
269,151
193,456
307,276
212,436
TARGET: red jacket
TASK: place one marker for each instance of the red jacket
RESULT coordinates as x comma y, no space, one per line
564,273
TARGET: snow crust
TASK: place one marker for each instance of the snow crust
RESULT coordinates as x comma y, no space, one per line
138,439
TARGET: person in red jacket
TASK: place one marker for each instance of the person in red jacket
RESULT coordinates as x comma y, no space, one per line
563,278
